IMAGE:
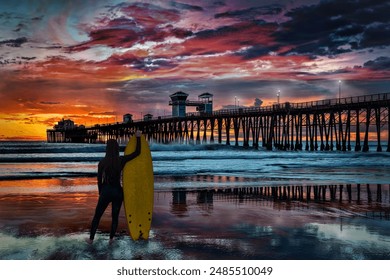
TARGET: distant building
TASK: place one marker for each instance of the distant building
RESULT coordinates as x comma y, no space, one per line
148,117
65,124
127,118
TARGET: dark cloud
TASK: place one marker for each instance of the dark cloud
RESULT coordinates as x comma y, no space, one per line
49,103
376,35
251,13
101,113
19,27
127,59
183,6
255,51
146,64
333,27
349,30
16,60
219,3
181,33
37,18
380,63
28,58
253,35
113,37
16,43
337,72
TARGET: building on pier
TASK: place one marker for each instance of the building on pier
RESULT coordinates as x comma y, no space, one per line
179,102
67,131
127,118
205,103
148,117
65,124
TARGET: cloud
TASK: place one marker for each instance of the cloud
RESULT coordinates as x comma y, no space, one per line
126,25
49,103
28,58
334,27
149,15
376,35
251,13
380,63
15,43
183,6
255,35
112,113
142,64
256,51
113,37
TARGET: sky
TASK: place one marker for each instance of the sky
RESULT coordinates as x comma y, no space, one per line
93,61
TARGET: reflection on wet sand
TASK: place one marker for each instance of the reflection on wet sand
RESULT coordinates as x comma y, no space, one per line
204,200
372,200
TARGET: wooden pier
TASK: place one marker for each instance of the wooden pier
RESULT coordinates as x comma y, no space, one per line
342,124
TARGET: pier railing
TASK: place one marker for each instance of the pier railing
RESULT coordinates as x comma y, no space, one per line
356,100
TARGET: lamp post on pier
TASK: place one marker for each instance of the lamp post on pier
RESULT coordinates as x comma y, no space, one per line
339,91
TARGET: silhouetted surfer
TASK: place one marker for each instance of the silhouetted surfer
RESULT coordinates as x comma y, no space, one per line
110,189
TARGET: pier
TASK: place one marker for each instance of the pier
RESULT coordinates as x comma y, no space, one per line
341,124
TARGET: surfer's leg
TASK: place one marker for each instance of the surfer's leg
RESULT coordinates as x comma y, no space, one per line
100,208
116,207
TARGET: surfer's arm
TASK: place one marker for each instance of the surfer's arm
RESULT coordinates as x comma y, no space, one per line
134,154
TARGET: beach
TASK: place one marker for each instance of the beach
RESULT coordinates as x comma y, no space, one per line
211,202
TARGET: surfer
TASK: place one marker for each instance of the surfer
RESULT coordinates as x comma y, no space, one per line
109,186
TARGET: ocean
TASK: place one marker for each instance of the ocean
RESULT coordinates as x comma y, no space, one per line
211,202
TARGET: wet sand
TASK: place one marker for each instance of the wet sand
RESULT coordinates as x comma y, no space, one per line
288,222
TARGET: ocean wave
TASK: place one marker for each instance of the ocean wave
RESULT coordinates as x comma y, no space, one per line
63,148
192,147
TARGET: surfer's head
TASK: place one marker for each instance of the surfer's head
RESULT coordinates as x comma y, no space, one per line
112,148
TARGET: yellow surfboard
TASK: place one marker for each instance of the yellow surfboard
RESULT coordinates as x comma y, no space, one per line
138,189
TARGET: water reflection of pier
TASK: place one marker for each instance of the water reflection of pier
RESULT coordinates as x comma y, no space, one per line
366,199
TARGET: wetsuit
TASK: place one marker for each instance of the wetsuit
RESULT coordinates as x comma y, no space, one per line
110,190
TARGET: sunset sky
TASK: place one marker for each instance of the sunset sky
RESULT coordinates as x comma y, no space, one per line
95,60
